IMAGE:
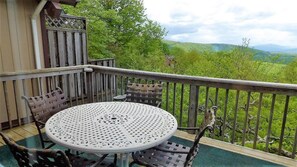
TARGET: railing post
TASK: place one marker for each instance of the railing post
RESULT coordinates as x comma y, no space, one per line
89,84
192,114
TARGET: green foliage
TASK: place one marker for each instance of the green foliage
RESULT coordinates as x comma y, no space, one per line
120,29
290,72
238,63
259,55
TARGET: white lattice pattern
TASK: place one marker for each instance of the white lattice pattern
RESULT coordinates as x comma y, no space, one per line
111,127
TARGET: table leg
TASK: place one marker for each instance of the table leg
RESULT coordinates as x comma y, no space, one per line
124,159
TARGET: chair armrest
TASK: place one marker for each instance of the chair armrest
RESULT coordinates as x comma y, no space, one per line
159,104
120,97
171,151
188,128
41,123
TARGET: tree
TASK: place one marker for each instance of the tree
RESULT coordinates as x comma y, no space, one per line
290,72
99,36
120,29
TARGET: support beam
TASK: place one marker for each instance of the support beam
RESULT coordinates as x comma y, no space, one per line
53,9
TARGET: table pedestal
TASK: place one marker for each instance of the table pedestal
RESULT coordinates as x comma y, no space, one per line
124,159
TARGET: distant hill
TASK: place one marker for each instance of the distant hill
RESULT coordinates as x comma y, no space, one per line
271,48
188,46
291,51
260,51
276,48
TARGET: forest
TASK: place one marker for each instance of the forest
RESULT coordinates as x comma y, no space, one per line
120,29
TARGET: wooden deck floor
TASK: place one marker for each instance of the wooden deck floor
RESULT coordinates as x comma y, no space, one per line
241,150
29,130
21,132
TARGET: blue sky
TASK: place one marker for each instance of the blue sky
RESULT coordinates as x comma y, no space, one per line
227,21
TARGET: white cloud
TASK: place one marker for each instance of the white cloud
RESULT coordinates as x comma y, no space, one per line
227,21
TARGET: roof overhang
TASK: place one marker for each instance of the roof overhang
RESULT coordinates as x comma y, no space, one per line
54,9
66,2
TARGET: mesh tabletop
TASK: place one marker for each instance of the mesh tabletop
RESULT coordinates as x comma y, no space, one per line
111,127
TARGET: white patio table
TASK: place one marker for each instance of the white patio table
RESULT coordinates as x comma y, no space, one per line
111,127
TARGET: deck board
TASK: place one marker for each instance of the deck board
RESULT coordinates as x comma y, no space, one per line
1,142
281,160
31,128
13,135
23,132
20,132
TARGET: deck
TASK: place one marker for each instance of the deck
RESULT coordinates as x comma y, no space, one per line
246,117
29,130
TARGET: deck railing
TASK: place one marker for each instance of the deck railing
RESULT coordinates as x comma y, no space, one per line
260,115
108,62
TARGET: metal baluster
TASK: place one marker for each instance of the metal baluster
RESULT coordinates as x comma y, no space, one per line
181,105
270,121
283,124
174,96
167,95
246,117
258,121
206,98
225,114
235,116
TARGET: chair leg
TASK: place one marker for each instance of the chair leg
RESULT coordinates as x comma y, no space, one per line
41,141
51,145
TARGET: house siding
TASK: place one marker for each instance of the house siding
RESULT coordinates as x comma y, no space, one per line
17,54
16,42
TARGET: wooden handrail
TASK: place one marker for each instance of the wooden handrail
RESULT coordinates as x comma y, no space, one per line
253,86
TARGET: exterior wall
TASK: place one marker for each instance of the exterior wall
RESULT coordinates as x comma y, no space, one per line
16,41
17,54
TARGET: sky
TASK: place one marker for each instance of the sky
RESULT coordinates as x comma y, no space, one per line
227,21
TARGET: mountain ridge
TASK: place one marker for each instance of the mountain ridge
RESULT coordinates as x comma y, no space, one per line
276,48
262,55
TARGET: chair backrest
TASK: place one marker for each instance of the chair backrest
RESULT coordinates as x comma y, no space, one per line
209,120
36,157
44,106
144,93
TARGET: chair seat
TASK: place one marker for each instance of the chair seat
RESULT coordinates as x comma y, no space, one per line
49,157
158,156
171,146
173,154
